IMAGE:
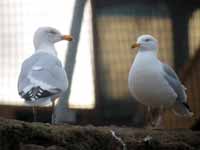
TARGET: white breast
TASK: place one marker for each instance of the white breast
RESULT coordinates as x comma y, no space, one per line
147,84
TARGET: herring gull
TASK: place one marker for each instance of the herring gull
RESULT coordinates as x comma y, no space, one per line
154,83
42,78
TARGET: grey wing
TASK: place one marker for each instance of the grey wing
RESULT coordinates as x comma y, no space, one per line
170,71
181,107
174,82
47,73
23,81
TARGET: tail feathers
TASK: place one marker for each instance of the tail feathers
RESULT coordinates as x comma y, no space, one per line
42,102
36,93
182,110
38,96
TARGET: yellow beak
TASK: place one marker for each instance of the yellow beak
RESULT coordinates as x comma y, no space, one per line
67,37
135,45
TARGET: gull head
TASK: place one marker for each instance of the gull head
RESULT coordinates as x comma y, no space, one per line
146,43
48,35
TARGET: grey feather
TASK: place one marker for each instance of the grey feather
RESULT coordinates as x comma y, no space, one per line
169,71
175,83
181,107
48,70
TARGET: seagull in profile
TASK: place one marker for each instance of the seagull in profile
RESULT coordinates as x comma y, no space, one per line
42,78
154,83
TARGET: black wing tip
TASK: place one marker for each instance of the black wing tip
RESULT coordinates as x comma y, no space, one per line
187,106
35,94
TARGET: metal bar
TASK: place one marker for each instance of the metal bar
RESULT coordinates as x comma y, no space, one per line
63,114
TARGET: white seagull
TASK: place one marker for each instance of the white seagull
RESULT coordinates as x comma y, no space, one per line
42,78
154,83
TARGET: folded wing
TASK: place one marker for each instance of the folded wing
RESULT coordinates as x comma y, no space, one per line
41,76
181,107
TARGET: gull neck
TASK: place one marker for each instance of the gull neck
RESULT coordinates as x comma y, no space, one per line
47,48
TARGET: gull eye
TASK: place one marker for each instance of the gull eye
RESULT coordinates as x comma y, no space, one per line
147,40
52,32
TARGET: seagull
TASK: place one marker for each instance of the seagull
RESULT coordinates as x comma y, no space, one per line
42,78
154,83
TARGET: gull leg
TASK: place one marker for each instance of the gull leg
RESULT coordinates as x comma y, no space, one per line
149,117
53,117
34,113
159,121
149,114
154,118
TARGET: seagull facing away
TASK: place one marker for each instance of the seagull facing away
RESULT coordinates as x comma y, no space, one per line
154,83
42,78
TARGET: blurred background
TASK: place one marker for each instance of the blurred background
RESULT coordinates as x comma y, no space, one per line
99,58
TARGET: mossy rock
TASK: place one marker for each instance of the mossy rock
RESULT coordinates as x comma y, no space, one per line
18,135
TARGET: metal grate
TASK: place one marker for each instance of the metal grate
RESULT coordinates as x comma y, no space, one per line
18,22
194,32
118,26
10,41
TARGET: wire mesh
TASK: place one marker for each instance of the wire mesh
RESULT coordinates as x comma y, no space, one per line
19,20
190,76
194,32
118,26
10,40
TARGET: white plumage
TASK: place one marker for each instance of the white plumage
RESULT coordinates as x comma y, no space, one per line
153,83
42,78
147,83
